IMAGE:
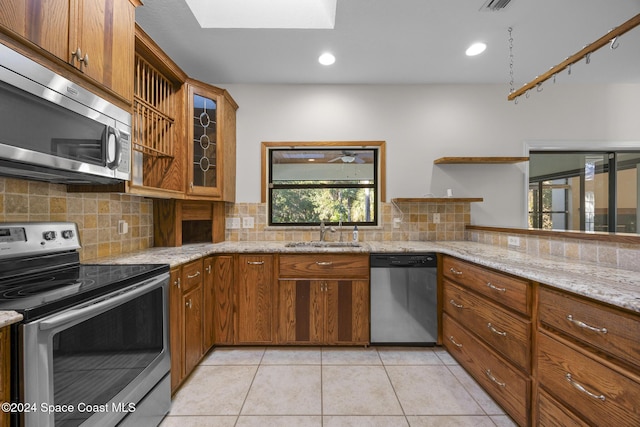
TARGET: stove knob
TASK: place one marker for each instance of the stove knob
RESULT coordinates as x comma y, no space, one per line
49,235
67,234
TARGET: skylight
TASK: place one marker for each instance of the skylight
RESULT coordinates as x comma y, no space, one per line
289,14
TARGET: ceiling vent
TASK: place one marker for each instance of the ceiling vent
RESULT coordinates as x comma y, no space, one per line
494,5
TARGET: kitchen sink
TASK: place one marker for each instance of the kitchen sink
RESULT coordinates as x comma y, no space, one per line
318,244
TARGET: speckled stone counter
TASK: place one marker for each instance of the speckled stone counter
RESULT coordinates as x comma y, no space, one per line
9,317
613,286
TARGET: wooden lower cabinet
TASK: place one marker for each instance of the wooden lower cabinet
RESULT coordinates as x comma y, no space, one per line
186,320
255,299
507,385
551,413
218,300
5,373
323,312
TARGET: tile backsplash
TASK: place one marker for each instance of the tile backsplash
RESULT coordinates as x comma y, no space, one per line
417,221
97,214
608,254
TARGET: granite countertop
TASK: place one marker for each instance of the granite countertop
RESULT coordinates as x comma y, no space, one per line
9,317
609,285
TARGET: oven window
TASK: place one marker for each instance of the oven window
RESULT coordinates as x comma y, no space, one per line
95,359
32,123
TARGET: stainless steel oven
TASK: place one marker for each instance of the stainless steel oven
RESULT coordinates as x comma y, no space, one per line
92,349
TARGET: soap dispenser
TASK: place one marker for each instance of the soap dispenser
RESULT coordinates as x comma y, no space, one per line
355,233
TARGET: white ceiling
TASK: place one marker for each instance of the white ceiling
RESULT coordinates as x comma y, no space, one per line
405,42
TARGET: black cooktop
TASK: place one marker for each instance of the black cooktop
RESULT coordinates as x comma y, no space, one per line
38,294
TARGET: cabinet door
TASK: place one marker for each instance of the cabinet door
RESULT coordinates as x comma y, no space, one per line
222,308
175,328
13,16
105,35
192,306
255,299
208,304
301,311
204,153
49,25
347,311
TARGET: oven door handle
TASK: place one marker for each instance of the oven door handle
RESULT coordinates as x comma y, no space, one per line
102,304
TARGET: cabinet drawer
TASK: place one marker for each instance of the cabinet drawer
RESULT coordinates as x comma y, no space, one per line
510,291
602,395
504,332
506,385
611,331
191,275
552,413
324,266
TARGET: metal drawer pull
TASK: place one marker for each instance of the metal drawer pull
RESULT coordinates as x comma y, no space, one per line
456,305
581,388
495,288
191,276
456,272
324,262
585,326
188,304
255,262
454,342
177,283
495,331
208,268
494,379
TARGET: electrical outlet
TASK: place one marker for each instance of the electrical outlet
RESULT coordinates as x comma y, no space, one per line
232,223
397,222
123,226
436,218
247,222
513,241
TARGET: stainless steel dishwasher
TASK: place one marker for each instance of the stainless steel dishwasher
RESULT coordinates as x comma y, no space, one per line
404,299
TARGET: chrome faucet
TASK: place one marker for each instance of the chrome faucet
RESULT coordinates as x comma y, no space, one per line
324,229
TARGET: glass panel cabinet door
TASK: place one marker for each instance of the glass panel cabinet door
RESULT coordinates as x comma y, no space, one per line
205,159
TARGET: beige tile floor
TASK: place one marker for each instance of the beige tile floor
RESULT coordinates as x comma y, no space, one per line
334,387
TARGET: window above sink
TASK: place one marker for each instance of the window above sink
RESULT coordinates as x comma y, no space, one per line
334,182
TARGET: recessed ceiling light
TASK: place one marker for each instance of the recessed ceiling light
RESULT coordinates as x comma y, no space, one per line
326,59
476,49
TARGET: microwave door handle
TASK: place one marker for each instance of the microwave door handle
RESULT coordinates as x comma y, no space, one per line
102,306
117,155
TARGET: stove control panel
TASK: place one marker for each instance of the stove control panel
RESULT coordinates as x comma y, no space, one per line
31,238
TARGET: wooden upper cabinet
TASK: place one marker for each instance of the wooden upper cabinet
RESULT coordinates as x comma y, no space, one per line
94,36
211,140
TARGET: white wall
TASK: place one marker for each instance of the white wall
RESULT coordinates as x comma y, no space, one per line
425,122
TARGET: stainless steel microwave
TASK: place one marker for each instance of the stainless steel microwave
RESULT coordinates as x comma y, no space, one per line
53,130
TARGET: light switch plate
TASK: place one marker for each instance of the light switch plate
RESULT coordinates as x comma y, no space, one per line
436,218
513,241
247,222
232,223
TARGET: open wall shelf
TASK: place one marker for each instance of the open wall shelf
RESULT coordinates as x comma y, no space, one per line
478,160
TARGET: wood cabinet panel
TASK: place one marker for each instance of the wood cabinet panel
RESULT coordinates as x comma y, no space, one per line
223,288
347,311
514,293
552,413
175,327
255,299
192,328
192,275
13,16
601,394
504,332
324,266
611,331
301,312
509,387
